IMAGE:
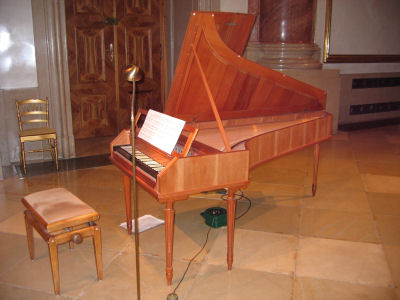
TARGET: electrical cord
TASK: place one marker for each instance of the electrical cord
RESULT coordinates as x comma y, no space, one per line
194,257
241,196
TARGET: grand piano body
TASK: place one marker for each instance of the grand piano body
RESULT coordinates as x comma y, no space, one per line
244,115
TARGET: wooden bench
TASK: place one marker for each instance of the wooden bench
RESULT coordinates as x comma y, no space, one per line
60,217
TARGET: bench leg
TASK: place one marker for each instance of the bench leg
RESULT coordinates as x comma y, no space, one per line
29,237
53,252
97,252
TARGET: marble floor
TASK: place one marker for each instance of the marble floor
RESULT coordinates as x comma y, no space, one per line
344,243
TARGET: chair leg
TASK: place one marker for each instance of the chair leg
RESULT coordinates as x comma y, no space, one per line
23,157
56,152
29,237
53,156
98,252
53,252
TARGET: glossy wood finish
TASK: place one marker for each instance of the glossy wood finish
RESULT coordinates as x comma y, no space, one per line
63,231
103,38
208,169
91,68
246,114
139,42
241,88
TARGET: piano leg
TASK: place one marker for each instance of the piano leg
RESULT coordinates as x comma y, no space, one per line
169,213
128,204
231,209
315,175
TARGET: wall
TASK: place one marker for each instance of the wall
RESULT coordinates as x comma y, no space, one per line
348,68
48,21
17,49
349,71
18,72
371,100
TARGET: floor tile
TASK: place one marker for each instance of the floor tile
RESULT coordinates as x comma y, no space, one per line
269,218
317,289
278,175
353,262
216,282
380,168
14,249
387,204
15,224
8,208
336,148
389,230
76,266
189,237
10,292
339,197
257,251
276,194
121,279
357,227
344,243
381,184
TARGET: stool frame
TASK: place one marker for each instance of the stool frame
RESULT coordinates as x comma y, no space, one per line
69,234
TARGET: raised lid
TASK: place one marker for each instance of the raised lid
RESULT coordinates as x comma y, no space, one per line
240,87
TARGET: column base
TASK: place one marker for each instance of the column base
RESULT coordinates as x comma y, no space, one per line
284,56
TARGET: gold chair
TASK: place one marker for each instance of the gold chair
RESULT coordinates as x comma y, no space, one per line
35,113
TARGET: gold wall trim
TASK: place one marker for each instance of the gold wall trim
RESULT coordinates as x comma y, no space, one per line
349,58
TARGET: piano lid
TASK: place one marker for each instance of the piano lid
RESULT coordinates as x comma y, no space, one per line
241,88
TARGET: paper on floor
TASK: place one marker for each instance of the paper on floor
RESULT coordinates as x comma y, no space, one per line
145,222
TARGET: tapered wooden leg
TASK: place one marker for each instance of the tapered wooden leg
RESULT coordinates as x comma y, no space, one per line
29,237
231,211
98,252
54,264
169,213
315,174
128,204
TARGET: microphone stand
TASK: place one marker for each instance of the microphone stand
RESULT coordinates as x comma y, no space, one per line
135,216
133,73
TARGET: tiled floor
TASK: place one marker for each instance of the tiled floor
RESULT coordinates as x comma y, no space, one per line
344,243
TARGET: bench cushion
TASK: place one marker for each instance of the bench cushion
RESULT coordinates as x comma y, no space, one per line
58,208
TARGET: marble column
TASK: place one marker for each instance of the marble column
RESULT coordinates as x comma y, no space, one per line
283,34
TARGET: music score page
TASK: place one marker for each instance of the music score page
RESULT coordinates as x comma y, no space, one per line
161,130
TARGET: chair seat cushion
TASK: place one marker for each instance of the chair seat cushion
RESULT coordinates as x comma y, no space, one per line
58,208
37,131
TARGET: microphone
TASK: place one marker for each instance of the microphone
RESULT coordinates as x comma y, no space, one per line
172,296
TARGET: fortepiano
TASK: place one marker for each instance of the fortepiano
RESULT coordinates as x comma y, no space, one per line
244,114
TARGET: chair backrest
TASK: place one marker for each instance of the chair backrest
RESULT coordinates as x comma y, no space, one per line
32,111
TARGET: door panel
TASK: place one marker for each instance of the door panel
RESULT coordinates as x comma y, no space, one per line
91,67
104,37
139,44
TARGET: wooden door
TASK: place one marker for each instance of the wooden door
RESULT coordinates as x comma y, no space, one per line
139,31
139,43
103,37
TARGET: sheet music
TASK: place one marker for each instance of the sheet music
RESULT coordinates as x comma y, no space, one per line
161,130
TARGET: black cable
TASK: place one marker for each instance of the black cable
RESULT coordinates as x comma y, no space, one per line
193,258
241,196
223,197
